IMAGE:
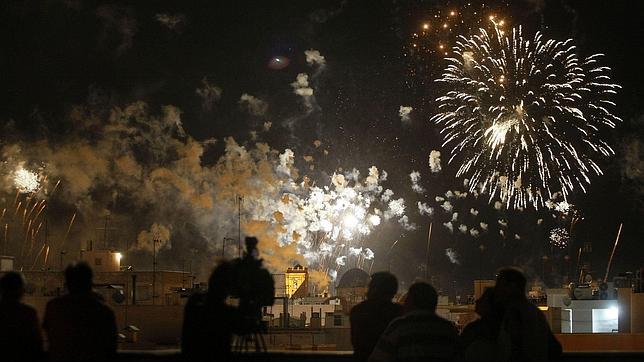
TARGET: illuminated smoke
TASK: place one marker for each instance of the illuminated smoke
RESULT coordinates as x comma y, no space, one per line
415,179
386,196
396,209
405,224
314,57
209,94
157,237
171,21
447,206
341,260
253,105
425,209
301,86
118,20
452,255
404,113
435,161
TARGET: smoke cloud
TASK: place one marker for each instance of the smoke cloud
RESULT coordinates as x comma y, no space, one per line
209,94
313,57
415,179
435,161
404,113
142,169
253,105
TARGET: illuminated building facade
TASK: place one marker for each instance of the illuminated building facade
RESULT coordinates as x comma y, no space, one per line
297,282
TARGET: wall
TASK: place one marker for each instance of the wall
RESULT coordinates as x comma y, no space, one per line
591,342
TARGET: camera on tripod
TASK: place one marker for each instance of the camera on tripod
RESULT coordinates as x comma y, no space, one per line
254,288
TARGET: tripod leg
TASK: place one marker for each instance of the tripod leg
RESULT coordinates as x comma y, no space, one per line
263,342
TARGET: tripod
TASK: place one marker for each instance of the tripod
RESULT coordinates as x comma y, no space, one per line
253,335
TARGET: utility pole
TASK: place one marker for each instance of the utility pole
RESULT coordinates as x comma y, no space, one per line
239,199
6,239
154,270
107,220
62,253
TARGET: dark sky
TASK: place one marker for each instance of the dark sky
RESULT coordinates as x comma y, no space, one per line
57,54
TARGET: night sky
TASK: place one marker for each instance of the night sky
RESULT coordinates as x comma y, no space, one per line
55,55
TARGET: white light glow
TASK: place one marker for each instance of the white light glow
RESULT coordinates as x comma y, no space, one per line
350,221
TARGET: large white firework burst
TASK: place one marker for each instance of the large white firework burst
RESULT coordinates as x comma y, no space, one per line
525,115
25,181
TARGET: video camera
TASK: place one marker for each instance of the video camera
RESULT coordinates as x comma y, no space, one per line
253,286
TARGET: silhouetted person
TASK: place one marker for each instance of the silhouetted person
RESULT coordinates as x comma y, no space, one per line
371,317
479,338
420,334
525,334
208,322
20,338
79,326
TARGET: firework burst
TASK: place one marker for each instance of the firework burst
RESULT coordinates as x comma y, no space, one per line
559,238
526,115
26,181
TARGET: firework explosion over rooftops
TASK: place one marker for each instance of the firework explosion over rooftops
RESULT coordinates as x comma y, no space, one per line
320,128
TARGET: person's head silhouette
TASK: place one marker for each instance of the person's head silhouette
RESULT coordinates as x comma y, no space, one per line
510,285
78,277
383,285
421,296
12,287
484,306
251,246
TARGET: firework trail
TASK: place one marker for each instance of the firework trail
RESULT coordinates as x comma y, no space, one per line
525,115
69,228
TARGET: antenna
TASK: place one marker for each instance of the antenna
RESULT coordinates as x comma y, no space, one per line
612,254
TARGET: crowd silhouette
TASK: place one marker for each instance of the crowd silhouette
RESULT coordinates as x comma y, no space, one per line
79,326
